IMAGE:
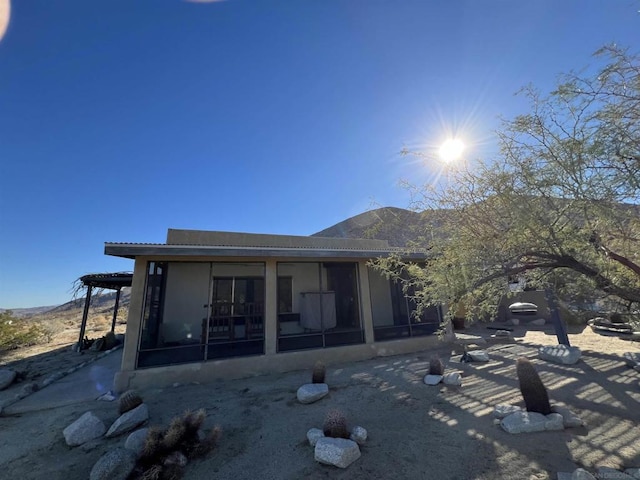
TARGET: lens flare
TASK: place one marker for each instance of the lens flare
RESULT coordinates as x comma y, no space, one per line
451,150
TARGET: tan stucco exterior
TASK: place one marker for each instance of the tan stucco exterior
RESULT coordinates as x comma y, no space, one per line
271,360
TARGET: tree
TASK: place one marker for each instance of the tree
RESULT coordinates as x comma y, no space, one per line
559,206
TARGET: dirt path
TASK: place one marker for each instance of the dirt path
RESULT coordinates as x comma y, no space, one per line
415,431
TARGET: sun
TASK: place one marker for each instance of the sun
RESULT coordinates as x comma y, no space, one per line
451,150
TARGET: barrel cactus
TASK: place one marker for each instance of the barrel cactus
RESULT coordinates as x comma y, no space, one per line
128,401
335,425
436,367
533,390
319,373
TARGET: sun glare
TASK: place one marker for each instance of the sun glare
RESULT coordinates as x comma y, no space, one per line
451,150
5,9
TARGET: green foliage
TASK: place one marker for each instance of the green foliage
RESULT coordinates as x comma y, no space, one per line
335,425
559,207
533,390
17,333
319,373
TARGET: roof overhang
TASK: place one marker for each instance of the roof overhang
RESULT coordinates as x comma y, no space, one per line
133,250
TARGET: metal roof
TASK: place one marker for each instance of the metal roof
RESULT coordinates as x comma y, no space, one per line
133,250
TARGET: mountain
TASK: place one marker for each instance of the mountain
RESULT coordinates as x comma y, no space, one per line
396,225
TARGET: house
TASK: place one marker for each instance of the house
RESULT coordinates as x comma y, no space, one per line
208,305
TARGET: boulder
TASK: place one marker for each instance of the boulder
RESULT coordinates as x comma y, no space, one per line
6,377
563,476
524,422
560,354
339,452
453,378
631,358
612,473
478,356
136,440
538,322
313,435
569,419
582,474
129,420
312,392
432,379
503,410
554,422
358,435
116,464
513,321
85,428
503,333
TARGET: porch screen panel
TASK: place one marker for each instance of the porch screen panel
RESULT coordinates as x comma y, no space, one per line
235,325
395,312
318,305
178,334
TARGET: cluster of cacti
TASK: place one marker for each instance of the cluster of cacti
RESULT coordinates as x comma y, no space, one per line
319,373
335,425
533,390
128,401
436,367
167,451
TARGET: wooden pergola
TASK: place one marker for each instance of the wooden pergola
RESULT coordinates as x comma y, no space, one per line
106,281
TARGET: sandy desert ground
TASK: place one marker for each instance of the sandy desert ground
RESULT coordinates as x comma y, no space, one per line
415,431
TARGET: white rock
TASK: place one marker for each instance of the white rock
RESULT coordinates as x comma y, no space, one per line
453,378
633,472
513,321
569,418
6,377
358,435
313,435
339,452
631,359
312,392
560,354
524,422
503,333
478,356
114,465
538,322
136,440
609,473
554,422
85,428
502,410
432,379
582,474
129,420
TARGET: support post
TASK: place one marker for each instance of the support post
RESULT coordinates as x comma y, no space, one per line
561,329
115,310
85,314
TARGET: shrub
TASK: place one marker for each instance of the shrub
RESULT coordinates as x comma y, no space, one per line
16,332
533,390
319,373
436,367
335,425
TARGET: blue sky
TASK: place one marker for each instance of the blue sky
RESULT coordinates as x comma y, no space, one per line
121,118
